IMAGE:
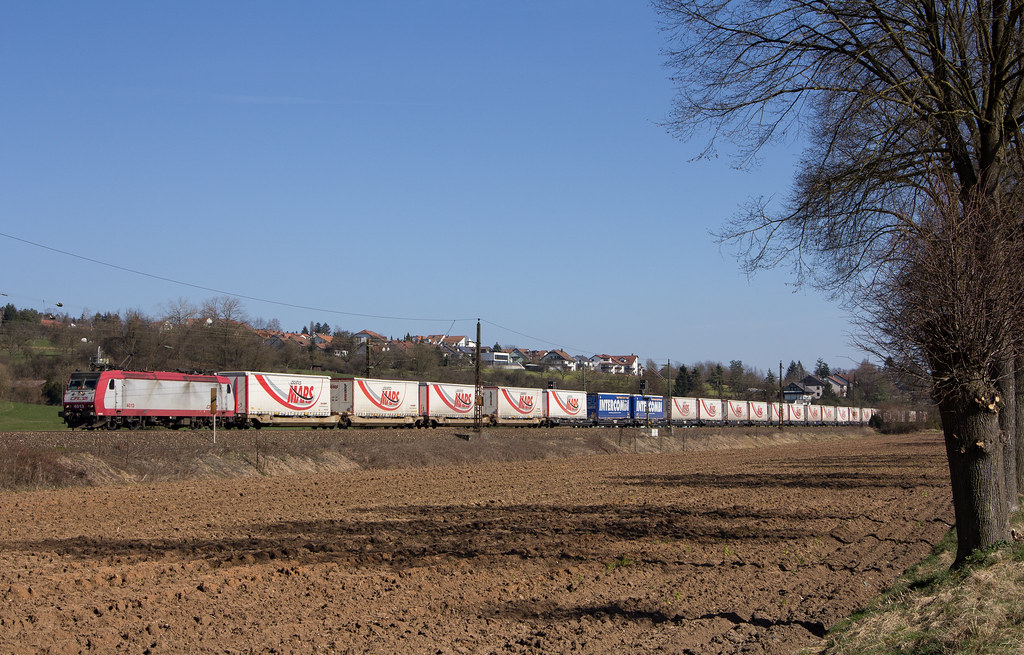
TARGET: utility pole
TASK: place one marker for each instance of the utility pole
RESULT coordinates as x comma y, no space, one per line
478,405
668,396
780,394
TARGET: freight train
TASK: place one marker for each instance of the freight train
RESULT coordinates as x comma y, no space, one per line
250,399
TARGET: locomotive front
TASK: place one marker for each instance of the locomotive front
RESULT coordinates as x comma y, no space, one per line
80,400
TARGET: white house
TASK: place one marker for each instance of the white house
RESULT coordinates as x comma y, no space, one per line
618,364
560,359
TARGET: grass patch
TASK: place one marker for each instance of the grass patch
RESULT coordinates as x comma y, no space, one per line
978,609
23,417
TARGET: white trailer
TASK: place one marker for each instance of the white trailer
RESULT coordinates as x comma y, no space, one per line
365,401
709,411
795,414
564,407
814,414
446,404
843,415
736,411
828,414
513,406
758,411
684,410
286,399
775,413
855,415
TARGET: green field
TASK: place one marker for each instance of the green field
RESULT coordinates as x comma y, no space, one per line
25,417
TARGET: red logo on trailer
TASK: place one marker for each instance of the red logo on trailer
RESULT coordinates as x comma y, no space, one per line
710,410
756,410
390,399
571,406
684,409
460,401
300,393
524,405
298,397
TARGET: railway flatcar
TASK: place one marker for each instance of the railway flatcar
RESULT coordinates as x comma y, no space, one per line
736,412
609,408
757,411
513,406
366,401
564,407
281,399
709,411
796,414
647,410
683,410
135,399
445,404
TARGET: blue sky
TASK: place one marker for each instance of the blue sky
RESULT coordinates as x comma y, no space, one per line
435,162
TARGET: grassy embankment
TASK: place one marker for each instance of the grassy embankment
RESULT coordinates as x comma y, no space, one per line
931,609
29,418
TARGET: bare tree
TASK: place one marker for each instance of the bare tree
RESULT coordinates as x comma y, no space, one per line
180,312
946,307
893,95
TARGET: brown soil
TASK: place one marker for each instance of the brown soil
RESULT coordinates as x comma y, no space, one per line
755,550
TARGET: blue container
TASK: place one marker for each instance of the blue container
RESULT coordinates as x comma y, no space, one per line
644,408
608,408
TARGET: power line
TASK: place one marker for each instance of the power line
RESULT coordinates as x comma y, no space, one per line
538,339
227,293
280,303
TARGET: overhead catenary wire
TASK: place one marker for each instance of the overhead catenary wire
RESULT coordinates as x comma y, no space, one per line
223,292
162,278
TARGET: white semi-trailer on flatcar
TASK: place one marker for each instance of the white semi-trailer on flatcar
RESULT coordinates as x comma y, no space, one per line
443,403
564,407
513,406
283,399
367,401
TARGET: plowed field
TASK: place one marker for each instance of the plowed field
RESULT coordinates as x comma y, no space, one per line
740,551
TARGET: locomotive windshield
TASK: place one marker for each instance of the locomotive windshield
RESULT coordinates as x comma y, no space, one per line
83,381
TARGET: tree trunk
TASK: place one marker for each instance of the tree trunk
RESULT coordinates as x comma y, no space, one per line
1018,373
1008,425
970,423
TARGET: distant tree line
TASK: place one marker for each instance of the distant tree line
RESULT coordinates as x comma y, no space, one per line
36,359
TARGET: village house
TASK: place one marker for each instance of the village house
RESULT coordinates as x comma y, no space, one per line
618,364
839,384
796,392
560,359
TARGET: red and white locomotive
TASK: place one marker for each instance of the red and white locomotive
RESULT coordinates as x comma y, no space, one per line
136,399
